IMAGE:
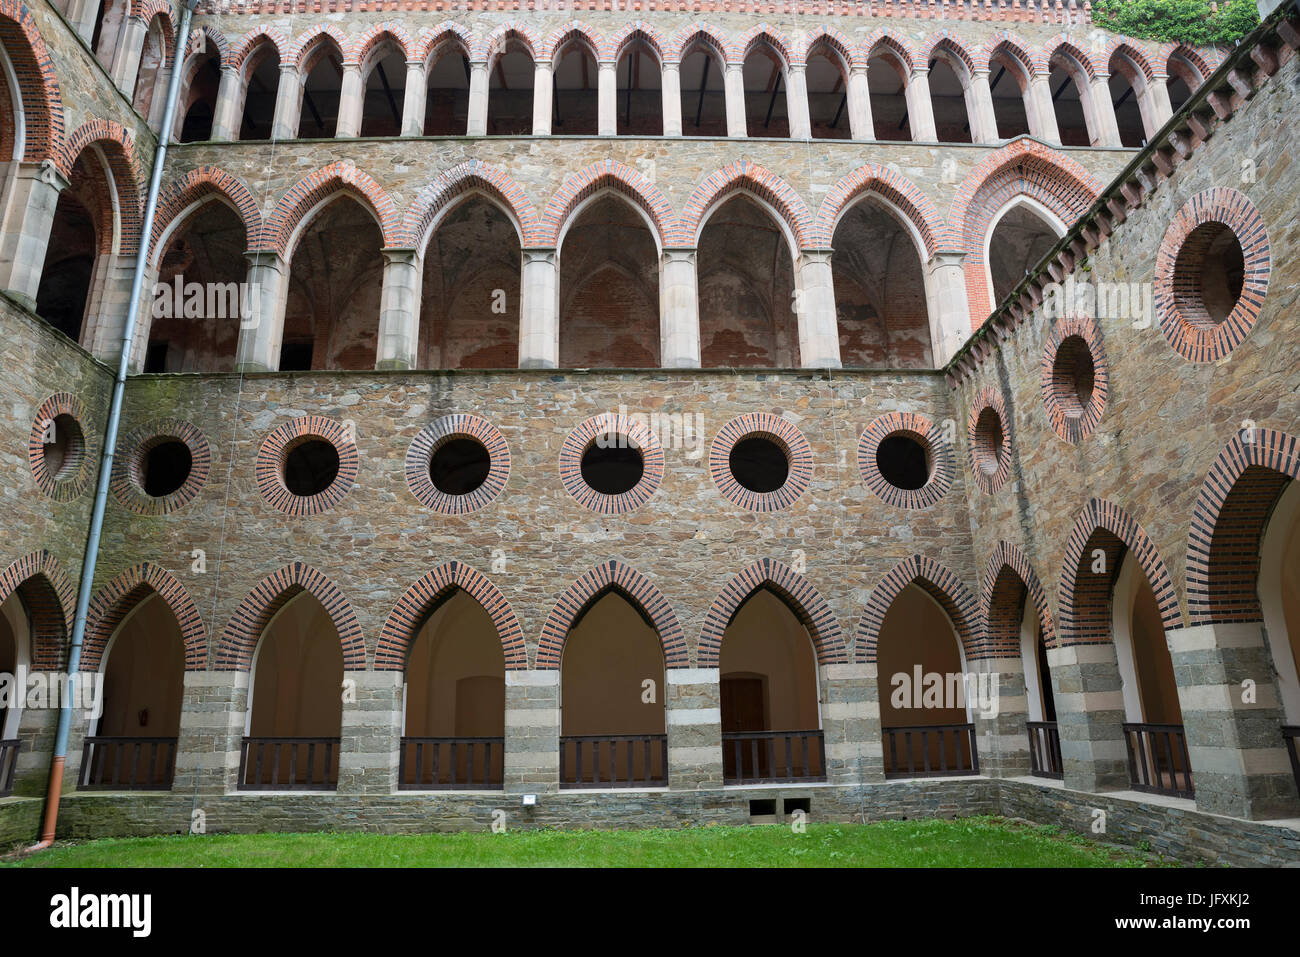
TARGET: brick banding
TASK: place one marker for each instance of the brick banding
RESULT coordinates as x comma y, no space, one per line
989,440
461,181
128,466
78,465
1008,581
499,40
373,39
941,585
1070,418
433,42
435,435
609,174
118,148
892,40
279,231
584,437
920,429
614,576
828,38
116,599
575,31
745,176
1067,44
38,84
898,191
269,467
422,599
205,183
761,34
696,33
308,47
49,596
786,436
1013,46
255,40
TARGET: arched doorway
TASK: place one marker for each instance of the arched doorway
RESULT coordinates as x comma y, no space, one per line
1021,234
612,683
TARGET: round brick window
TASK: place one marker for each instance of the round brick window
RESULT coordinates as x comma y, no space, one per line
760,461
611,463
58,451
162,466
1074,378
457,464
307,465
1212,274
904,459
990,448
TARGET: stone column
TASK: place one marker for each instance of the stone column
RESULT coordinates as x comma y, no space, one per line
399,310
819,337
36,730
144,321
30,199
693,713
262,332
371,732
1103,112
532,756
1089,698
607,99
478,99
107,306
919,108
225,118
796,98
539,323
983,120
126,57
851,723
213,709
1232,717
352,100
82,15
734,85
542,105
413,104
950,314
1162,110
672,99
861,123
679,322
288,104
1042,111
999,707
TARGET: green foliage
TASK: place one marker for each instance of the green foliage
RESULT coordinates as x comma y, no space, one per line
1178,21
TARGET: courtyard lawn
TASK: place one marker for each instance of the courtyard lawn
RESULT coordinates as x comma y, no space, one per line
968,842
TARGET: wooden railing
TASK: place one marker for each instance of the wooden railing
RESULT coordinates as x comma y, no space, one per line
1291,735
9,749
1045,750
289,764
760,757
1157,759
431,764
127,764
614,761
929,751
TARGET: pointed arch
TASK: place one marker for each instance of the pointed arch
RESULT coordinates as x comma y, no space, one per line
949,43
1174,55
575,30
244,630
1134,52
1070,46
253,41
117,145
42,126
639,31
279,232
1008,580
1013,46
794,590
208,37
612,575
497,41
762,34
893,40
828,37
307,47
424,597
608,174
47,592
699,32
117,598
453,185
749,177
1228,523
184,193
917,209
433,42
1083,596
939,583
375,37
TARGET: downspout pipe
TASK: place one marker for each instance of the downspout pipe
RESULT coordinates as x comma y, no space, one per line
59,757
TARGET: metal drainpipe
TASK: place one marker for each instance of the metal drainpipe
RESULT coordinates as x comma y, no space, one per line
59,757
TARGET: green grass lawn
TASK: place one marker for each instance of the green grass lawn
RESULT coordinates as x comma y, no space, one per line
968,842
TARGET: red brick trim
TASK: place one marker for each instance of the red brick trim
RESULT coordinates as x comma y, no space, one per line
276,448
278,232
1189,329
38,82
374,36
250,620
1014,46
941,585
435,435
1140,56
794,590
747,176
897,190
893,40
119,150
116,599
922,430
950,42
306,47
989,452
1231,514
1008,580
434,42
609,576
49,597
455,184
1069,419
573,31
637,31
686,39
422,599
498,41
608,174
256,39
205,182
209,38
79,460
762,34
584,436
825,37
1204,65
146,10
128,480
1069,45
776,429
1084,598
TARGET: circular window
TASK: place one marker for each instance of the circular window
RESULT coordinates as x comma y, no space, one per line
1074,378
307,465
611,463
58,451
760,461
163,465
903,459
166,467
457,464
1212,274
990,450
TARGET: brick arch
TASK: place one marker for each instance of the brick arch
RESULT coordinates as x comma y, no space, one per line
1008,580
759,35
37,81
116,599
206,37
196,185
304,196
612,575
633,32
255,39
1084,598
1070,45
1135,52
828,36
1013,45
49,596
1228,523
891,185
607,174
947,41
561,37
891,39
374,37
937,581
748,176
472,176
244,630
699,32
495,43
308,45
150,10
434,41
118,147
425,597
1204,66
794,590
